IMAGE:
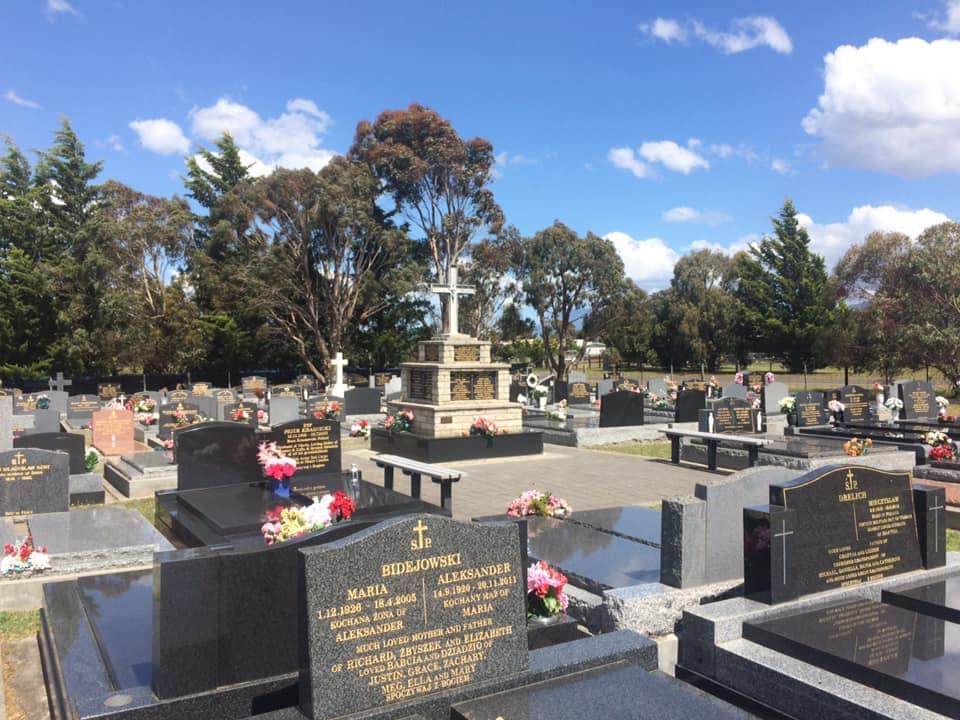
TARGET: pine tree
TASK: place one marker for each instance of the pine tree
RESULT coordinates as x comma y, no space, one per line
784,300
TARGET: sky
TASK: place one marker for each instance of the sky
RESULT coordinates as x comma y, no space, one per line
664,126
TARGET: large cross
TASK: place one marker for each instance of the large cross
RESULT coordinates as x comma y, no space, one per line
784,534
339,388
60,383
451,320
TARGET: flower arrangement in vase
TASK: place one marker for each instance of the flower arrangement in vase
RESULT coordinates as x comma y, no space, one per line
545,591
328,411
277,466
942,405
941,449
769,378
361,428
836,409
788,406
401,422
485,428
287,523
855,447
534,502
894,405
241,413
144,410
24,559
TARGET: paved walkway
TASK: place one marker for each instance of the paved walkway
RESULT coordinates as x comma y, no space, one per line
587,479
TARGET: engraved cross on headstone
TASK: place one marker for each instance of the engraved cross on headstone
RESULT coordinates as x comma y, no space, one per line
935,509
451,319
59,383
784,534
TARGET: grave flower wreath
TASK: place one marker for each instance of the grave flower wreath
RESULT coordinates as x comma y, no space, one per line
401,422
43,402
855,447
545,586
241,414
941,449
894,403
485,428
287,523
328,411
361,428
24,559
534,502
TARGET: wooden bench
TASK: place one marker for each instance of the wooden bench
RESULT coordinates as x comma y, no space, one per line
712,440
444,476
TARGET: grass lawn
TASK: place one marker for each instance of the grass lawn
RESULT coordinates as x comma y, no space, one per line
646,449
144,506
953,540
18,624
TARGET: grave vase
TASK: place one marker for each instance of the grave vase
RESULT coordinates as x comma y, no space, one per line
894,415
281,488
542,402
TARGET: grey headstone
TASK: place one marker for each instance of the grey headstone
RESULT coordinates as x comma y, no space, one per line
361,401
773,393
283,410
656,386
34,481
206,404
683,542
605,386
6,422
44,421
82,407
393,388
58,400
725,500
577,376
416,561
734,391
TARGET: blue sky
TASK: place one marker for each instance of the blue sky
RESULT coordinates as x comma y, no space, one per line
666,126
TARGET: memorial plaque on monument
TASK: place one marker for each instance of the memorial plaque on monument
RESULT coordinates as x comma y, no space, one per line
438,601
735,416
253,384
919,400
108,391
621,409
179,395
361,401
810,408
894,650
216,453
34,481
173,416
485,386
242,412
431,353
689,404
82,407
461,386
859,404
286,391
113,431
421,385
70,443
314,444
200,389
771,395
829,528
466,353
579,393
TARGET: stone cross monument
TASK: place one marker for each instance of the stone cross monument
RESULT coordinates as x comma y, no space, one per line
451,319
339,387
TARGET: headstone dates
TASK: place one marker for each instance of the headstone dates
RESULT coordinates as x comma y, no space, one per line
735,416
829,528
919,400
34,481
429,604
858,404
314,444
810,408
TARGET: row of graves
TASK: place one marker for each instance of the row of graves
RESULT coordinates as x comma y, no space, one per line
392,610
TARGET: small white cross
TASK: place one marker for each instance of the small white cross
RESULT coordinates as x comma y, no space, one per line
451,320
783,534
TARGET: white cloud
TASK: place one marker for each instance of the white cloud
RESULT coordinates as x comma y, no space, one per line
291,140
161,136
648,262
625,159
833,239
950,21
503,159
739,245
891,107
684,214
21,101
115,143
746,33
781,167
673,156
60,7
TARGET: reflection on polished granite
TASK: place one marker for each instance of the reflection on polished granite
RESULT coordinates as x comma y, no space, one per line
89,530
633,522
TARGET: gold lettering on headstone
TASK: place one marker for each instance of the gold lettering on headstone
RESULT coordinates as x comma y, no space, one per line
466,353
309,445
21,469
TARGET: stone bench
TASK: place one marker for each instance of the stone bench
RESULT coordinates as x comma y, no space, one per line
444,476
712,440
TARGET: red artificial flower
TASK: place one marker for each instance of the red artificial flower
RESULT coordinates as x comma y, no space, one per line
342,506
274,515
8,549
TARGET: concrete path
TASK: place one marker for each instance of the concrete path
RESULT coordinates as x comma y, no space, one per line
587,479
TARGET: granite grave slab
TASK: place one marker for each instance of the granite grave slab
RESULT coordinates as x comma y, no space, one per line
622,408
633,522
82,407
216,453
361,401
283,410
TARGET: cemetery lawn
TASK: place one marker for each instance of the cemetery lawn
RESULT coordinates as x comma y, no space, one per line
658,449
18,624
953,540
145,506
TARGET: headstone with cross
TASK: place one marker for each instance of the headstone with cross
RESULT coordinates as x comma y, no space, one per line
453,290
339,387
930,505
60,383
836,526
34,481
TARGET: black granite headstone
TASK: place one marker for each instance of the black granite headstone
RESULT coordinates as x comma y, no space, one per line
216,453
314,444
858,403
250,409
34,481
810,408
689,404
735,416
930,506
832,527
288,391
70,443
622,408
429,604
361,401
919,400
169,415
82,407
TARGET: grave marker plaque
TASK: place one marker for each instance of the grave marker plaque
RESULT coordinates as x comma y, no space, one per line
421,385
170,415
858,404
241,412
34,481
734,416
216,453
466,353
919,400
113,431
25,404
286,391
361,401
108,391
175,396
82,407
431,353
430,602
201,389
253,384
578,393
314,444
810,408
830,528
468,385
